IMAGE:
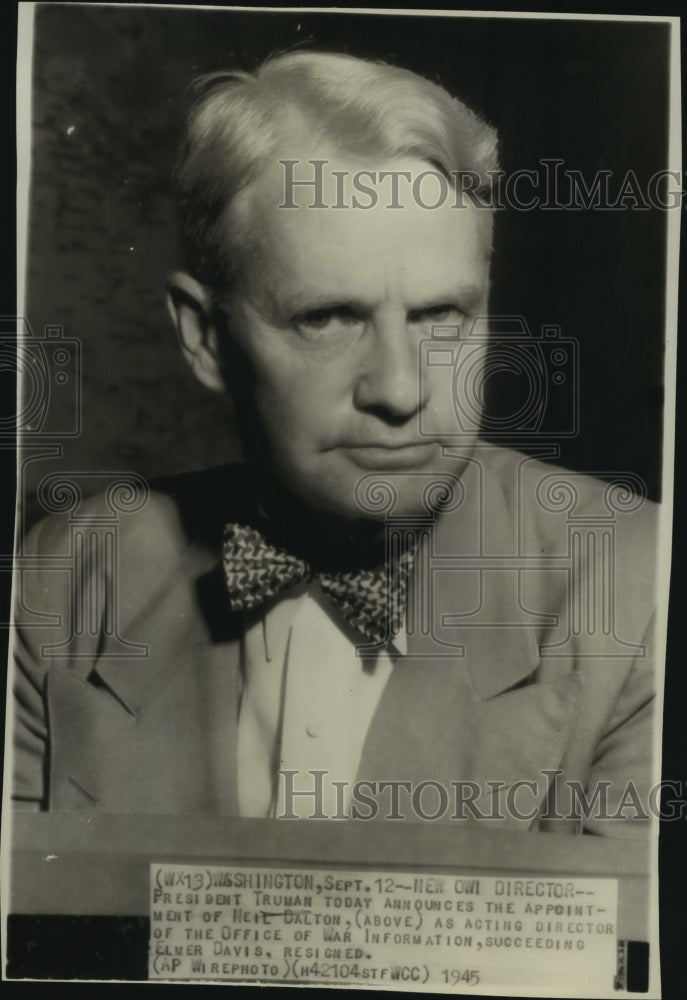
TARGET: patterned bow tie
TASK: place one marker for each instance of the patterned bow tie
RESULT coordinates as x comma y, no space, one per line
371,600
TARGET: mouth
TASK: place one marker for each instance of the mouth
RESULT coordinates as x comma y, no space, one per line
406,455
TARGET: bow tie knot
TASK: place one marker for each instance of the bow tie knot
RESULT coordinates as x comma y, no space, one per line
372,600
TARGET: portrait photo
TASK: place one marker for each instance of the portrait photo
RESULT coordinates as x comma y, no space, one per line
345,368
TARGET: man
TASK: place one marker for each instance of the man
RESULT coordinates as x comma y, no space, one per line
377,605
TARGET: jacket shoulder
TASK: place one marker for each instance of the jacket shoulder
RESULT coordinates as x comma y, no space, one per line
544,492
621,490
162,541
164,517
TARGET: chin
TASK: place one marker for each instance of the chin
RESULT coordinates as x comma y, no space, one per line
342,490
385,495
381,497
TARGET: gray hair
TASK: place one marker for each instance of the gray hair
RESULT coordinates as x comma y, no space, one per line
237,120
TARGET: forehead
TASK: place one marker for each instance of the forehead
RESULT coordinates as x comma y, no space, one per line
393,237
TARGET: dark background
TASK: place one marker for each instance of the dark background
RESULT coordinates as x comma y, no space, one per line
108,86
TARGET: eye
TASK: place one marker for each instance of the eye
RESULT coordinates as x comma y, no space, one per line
330,320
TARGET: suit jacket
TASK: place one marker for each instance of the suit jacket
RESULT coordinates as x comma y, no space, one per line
529,653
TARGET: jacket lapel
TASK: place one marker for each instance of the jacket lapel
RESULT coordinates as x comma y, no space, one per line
431,725
159,733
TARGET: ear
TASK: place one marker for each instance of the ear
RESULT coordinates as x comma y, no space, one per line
190,307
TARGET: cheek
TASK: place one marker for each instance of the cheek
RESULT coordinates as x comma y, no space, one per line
464,376
296,393
293,407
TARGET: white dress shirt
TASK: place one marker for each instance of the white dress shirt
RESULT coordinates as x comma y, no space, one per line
306,705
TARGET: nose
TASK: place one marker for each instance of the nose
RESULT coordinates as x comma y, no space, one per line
390,383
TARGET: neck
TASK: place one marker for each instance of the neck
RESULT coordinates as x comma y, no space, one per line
322,538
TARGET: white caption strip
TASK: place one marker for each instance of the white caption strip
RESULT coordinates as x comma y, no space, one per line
380,928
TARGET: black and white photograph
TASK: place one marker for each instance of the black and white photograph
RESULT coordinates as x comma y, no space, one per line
344,355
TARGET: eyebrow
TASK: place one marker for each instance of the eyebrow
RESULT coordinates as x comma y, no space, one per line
464,296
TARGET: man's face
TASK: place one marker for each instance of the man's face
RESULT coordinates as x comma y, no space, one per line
329,321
